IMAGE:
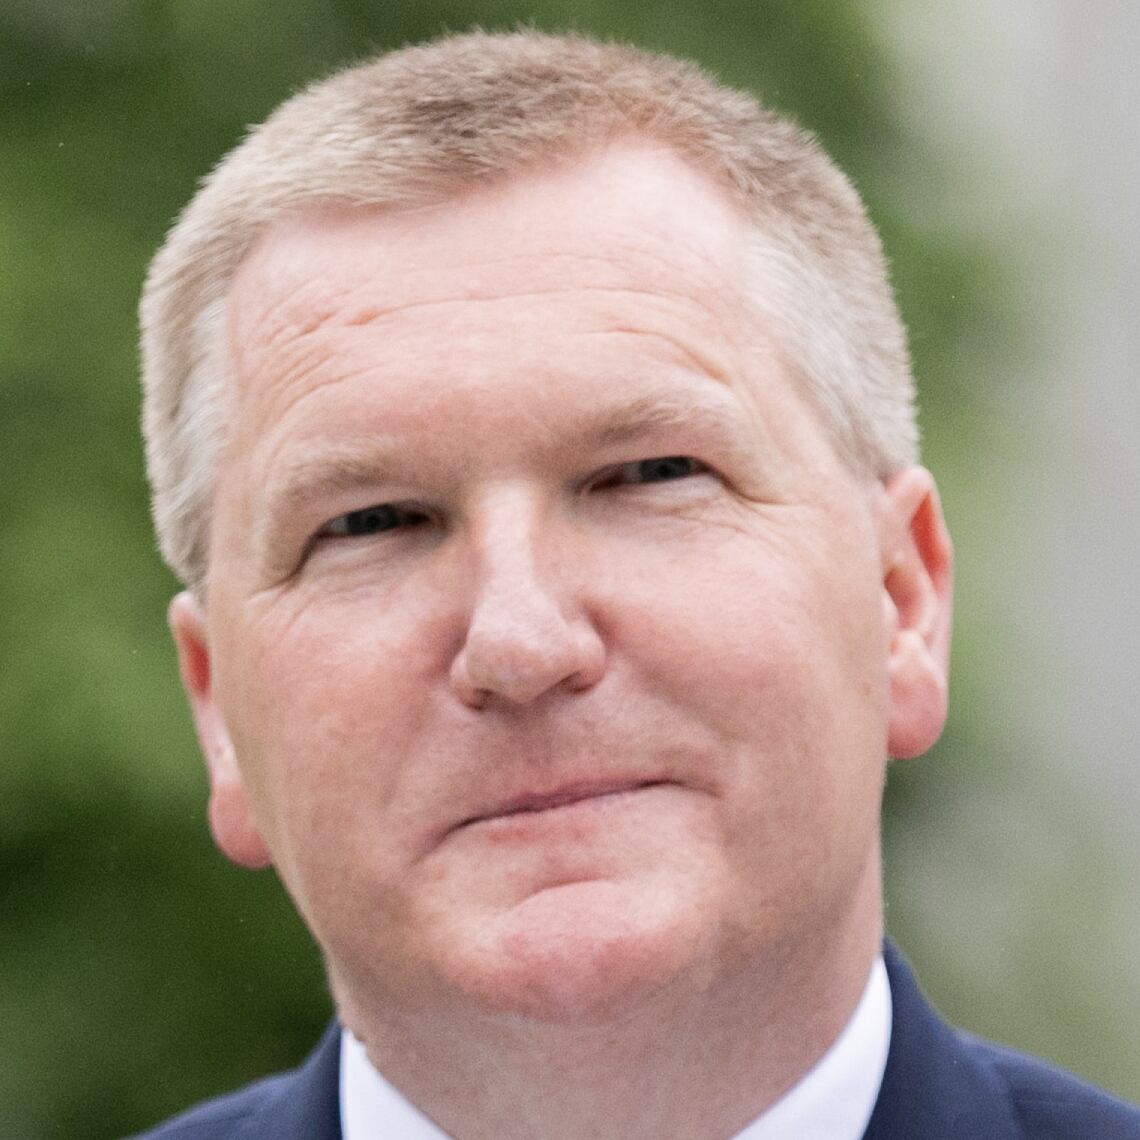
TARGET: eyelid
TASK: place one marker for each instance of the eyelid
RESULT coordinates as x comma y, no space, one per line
399,515
627,473
613,474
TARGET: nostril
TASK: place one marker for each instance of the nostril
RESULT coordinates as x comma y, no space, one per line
520,669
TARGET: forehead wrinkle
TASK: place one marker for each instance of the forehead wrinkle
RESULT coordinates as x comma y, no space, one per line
380,259
691,356
269,364
366,313
287,403
266,308
283,352
297,352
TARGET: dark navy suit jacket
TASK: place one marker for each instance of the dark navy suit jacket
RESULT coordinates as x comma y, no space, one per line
939,1084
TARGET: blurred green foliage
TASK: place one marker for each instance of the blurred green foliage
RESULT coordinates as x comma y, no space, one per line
139,971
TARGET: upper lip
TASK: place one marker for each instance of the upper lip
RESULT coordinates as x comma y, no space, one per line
560,796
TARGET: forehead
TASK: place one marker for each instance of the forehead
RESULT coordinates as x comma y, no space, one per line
492,331
630,218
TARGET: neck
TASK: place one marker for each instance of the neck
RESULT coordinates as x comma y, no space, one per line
688,1062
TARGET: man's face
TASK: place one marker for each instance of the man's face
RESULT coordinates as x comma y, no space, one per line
548,649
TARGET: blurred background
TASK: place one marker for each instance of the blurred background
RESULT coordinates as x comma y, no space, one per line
996,144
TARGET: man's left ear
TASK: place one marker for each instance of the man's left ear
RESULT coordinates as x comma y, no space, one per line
918,561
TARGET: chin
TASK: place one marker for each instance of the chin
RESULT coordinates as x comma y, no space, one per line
579,953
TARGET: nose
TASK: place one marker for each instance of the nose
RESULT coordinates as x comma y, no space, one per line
528,631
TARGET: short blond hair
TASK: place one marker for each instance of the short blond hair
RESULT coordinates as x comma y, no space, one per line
422,124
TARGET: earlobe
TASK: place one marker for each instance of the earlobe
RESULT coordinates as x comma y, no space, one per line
231,824
917,585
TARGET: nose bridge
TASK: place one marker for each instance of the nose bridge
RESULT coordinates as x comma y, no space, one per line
518,606
527,631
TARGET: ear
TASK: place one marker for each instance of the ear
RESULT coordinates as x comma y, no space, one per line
918,562
231,823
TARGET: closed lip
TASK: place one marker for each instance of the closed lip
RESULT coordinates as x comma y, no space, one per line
562,796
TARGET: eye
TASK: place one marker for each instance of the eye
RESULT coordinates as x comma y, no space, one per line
371,520
660,469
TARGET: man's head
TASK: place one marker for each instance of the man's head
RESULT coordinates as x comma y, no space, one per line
559,622
423,125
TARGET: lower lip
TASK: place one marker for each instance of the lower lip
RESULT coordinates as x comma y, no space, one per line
521,825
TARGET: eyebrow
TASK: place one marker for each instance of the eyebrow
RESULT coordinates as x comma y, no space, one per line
339,466
631,419
357,463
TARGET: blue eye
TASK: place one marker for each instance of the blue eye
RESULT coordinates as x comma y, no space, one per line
372,520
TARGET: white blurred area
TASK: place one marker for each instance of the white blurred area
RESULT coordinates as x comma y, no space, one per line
1028,887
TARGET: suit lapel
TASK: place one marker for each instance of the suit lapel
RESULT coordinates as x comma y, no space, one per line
935,1085
305,1105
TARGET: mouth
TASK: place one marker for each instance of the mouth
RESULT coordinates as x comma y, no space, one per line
534,803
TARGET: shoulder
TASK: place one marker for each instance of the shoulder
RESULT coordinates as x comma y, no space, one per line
941,1082
1051,1104
300,1105
224,1116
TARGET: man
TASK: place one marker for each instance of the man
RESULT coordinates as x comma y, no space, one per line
531,423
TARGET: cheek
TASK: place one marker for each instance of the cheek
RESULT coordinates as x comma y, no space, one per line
322,708
763,637
786,664
326,728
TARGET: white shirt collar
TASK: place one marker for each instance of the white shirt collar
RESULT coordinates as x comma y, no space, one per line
832,1101
835,1098
370,1108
